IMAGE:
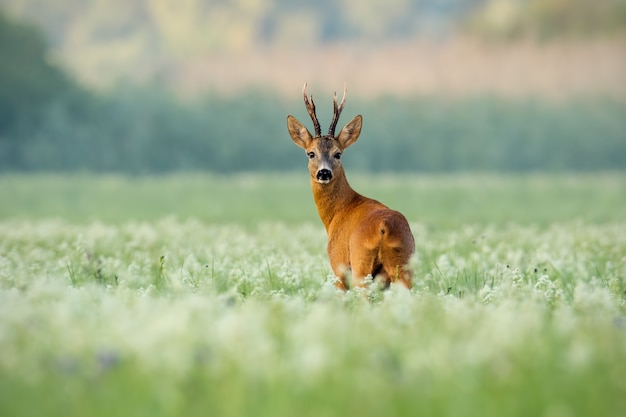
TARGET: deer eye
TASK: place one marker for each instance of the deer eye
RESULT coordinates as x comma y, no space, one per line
311,155
337,155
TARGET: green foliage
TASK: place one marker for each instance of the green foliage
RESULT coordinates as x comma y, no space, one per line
157,28
31,86
548,19
149,131
28,81
49,124
210,25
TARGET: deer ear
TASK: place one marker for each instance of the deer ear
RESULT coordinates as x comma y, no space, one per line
299,134
350,132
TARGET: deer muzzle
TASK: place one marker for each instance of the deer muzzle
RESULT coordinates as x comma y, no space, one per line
324,175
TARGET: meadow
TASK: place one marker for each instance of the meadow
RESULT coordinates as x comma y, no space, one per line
198,294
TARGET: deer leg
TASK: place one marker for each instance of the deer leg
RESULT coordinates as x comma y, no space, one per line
365,259
341,282
400,274
341,272
395,267
383,278
364,262
395,255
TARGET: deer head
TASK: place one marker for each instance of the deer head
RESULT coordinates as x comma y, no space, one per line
324,151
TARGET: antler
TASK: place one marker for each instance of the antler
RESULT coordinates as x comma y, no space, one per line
337,113
310,107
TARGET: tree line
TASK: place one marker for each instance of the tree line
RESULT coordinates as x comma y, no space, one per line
49,123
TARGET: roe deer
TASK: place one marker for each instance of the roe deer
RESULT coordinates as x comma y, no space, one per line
364,235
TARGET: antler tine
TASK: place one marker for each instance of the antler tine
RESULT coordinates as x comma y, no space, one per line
337,110
310,107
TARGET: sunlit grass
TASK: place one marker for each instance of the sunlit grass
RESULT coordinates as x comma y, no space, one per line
185,315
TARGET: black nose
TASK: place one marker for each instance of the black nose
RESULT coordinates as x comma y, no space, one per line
324,175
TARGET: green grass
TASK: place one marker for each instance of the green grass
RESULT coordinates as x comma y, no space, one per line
156,297
439,201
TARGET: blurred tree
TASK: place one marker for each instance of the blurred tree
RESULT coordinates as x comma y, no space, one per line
48,123
31,85
28,80
548,19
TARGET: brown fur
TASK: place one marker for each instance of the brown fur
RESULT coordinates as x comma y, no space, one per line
364,235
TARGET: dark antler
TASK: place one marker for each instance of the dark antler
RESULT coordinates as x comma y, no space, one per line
333,123
310,107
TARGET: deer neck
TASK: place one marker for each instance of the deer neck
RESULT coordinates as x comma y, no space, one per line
333,198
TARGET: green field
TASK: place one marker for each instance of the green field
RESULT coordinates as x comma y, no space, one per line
202,295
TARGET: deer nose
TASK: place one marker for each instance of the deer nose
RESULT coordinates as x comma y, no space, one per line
324,175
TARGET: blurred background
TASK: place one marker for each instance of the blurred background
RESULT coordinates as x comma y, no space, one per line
152,86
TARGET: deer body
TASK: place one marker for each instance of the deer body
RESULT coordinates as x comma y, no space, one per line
364,236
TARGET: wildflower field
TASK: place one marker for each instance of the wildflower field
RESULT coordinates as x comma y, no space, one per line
199,295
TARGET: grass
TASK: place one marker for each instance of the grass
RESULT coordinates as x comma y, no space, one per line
247,199
184,307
